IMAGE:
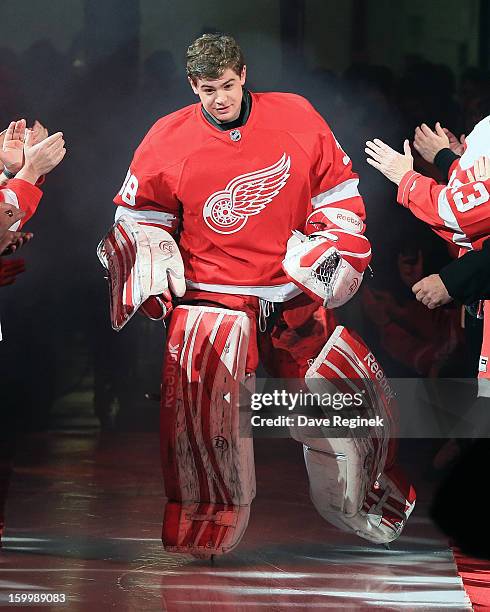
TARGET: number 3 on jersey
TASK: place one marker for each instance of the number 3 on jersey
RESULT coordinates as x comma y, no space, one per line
129,189
471,195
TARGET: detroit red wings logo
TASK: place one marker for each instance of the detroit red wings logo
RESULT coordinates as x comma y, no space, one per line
227,211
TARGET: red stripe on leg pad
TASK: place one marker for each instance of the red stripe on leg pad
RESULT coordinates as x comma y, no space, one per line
207,466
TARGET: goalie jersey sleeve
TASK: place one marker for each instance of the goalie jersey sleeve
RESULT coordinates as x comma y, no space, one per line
148,192
334,183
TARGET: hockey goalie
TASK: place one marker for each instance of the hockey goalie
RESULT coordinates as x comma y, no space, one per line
240,223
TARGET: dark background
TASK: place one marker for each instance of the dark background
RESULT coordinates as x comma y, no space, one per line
104,71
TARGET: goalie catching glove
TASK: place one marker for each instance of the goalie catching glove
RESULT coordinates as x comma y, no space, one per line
328,264
144,265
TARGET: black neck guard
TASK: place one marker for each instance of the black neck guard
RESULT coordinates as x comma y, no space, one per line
239,121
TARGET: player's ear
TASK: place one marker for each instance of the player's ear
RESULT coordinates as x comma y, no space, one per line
193,85
243,75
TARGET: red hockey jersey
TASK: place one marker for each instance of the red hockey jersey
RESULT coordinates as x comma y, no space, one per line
459,211
236,195
23,195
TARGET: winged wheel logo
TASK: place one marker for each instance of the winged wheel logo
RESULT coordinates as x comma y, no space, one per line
227,211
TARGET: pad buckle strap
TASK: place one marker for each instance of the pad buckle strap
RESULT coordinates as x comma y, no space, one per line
223,518
375,513
265,310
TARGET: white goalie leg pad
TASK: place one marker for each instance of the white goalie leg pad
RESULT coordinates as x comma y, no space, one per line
352,483
141,261
208,466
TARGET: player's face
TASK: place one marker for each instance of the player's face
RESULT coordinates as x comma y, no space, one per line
222,98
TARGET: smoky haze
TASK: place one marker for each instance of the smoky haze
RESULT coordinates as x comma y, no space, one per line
55,318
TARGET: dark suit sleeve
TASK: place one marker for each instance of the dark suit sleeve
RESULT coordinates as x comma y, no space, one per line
444,159
467,279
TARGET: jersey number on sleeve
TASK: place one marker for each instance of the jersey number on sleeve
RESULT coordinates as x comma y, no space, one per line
129,189
470,195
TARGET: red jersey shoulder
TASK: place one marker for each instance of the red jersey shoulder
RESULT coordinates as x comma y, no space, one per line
171,122
173,138
289,111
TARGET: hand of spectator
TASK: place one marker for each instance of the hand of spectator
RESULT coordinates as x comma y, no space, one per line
428,143
12,150
8,216
389,162
432,292
12,241
42,157
456,145
481,170
9,269
39,132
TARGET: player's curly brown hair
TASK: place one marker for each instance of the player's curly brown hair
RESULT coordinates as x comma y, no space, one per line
211,54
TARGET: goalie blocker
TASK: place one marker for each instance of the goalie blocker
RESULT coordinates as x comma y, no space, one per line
143,265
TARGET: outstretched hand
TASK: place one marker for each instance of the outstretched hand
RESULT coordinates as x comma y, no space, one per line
428,142
12,149
42,157
457,145
481,170
12,241
389,162
39,133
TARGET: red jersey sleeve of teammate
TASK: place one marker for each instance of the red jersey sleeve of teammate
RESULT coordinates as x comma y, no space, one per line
334,185
458,212
22,195
148,191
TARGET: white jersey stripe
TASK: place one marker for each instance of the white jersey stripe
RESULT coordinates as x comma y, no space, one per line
271,293
448,217
344,191
146,216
